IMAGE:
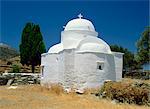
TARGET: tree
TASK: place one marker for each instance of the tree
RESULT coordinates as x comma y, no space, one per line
143,47
32,46
128,58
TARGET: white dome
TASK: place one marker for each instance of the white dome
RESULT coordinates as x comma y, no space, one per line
56,48
93,44
94,47
78,34
80,24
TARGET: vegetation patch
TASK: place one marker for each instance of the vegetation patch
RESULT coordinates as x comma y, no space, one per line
137,92
15,68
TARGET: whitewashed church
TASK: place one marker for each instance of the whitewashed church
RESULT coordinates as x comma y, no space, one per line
81,60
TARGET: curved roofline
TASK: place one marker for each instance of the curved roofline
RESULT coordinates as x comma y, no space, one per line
79,24
95,41
91,52
56,48
93,33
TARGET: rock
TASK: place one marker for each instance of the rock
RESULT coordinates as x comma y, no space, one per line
12,87
14,84
31,82
103,94
107,81
79,91
10,81
68,90
19,79
114,101
3,81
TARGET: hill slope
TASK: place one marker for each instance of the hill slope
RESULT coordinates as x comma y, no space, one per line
7,51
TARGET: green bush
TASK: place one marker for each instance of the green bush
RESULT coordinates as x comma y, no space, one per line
126,93
15,68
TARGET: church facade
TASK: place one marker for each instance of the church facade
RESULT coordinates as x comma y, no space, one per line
81,60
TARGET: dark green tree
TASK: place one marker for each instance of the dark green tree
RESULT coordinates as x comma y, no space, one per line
32,46
143,47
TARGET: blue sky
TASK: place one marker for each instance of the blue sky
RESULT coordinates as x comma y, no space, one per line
117,22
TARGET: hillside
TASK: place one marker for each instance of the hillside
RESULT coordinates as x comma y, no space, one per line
9,57
6,65
7,52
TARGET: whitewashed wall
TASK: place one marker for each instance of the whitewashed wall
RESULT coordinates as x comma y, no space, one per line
78,70
88,75
50,71
61,67
68,68
118,58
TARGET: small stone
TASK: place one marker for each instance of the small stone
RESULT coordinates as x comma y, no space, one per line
12,87
78,91
10,81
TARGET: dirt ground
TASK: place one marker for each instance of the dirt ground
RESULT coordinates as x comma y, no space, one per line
37,97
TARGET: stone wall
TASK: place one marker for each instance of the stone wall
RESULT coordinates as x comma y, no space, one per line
19,78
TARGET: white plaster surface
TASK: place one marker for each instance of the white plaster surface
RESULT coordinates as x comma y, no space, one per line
118,58
75,61
79,24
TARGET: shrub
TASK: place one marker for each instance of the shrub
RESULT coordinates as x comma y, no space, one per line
15,68
126,93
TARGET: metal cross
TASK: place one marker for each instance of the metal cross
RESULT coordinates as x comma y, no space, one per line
80,16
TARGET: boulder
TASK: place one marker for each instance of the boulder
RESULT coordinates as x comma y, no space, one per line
3,81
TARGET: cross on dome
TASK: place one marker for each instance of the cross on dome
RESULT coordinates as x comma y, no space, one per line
80,16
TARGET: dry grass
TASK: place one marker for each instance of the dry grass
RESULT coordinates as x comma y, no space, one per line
37,97
53,88
129,80
124,92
